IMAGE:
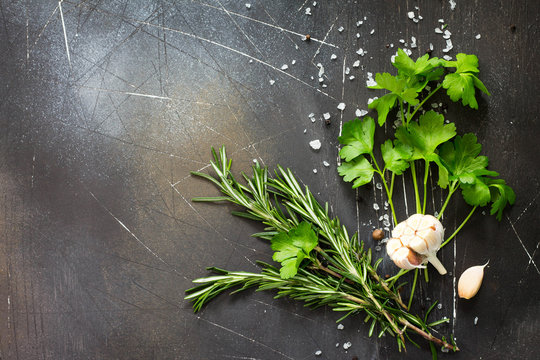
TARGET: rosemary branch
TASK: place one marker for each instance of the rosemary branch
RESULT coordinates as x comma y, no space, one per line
340,273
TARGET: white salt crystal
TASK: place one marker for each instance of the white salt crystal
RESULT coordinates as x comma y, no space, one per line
360,52
333,57
476,320
272,82
415,21
321,69
340,29
392,45
293,62
370,81
324,85
248,6
356,64
452,4
372,31
326,163
420,17
347,70
370,100
318,353
407,51
386,217
311,115
358,23
378,186
441,21
326,116
449,46
376,206
340,327
447,34
360,113
386,223
347,345
478,37
358,35
434,105
321,79
410,14
315,144
341,106
438,31
413,42
431,46
308,11
337,344
305,131
365,17
351,78
284,67
314,171
439,306
402,41
314,3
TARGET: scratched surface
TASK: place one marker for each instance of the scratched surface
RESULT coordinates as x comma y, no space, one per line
107,105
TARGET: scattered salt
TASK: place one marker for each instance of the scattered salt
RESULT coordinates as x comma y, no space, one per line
372,31
370,81
413,42
248,6
337,344
340,29
420,17
321,79
284,67
434,105
441,21
321,69
314,171
378,248
439,306
358,35
347,345
386,217
476,320
251,61
378,186
381,218
333,57
351,78
386,223
375,206
272,82
326,163
324,85
356,64
431,46
347,70
358,23
410,14
305,131
293,62
341,106
478,37
447,34
254,161
308,11
318,353
447,57
452,4
326,116
392,45
361,52
438,31
340,327
449,46
402,41
315,144
360,113
314,3
370,100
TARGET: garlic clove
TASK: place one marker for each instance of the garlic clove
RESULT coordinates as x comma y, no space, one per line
470,281
405,258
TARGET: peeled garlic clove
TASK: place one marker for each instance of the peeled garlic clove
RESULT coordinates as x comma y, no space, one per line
470,281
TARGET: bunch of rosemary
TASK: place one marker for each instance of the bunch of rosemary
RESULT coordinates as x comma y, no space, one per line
328,267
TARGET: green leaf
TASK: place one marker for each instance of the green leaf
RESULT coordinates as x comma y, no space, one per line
388,82
426,135
476,194
404,63
359,171
461,159
462,83
383,105
501,195
357,136
395,157
293,247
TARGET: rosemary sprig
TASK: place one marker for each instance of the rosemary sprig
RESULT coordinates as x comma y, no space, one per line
339,272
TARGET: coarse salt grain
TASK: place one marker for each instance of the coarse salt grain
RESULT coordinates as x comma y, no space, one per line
431,46
340,29
347,70
360,52
356,64
452,4
358,35
308,11
358,23
449,46
293,62
340,327
315,144
341,106
272,82
376,207
333,57
413,42
447,34
284,67
351,78
248,6
438,31
478,37
318,353
314,171
370,100
360,112
410,14
347,345
321,69
476,320
372,31
326,163
326,116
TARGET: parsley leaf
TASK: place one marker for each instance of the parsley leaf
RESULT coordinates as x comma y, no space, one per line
477,193
461,158
462,83
383,105
293,247
501,195
358,138
395,157
426,135
359,170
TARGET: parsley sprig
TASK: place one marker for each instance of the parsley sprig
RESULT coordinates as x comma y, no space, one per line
424,139
321,264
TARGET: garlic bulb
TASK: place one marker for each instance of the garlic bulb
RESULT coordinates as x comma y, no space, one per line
470,281
416,241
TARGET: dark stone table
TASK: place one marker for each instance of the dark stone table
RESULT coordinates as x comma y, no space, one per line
107,105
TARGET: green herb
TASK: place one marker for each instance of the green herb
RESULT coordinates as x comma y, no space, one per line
335,269
293,247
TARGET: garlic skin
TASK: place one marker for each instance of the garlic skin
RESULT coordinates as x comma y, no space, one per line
416,241
470,281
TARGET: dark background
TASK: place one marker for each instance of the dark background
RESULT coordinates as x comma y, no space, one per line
99,239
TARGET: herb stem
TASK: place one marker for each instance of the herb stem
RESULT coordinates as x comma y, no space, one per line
415,182
423,101
426,173
460,226
451,190
412,289
385,184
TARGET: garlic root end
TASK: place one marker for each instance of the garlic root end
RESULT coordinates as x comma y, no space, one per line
437,264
